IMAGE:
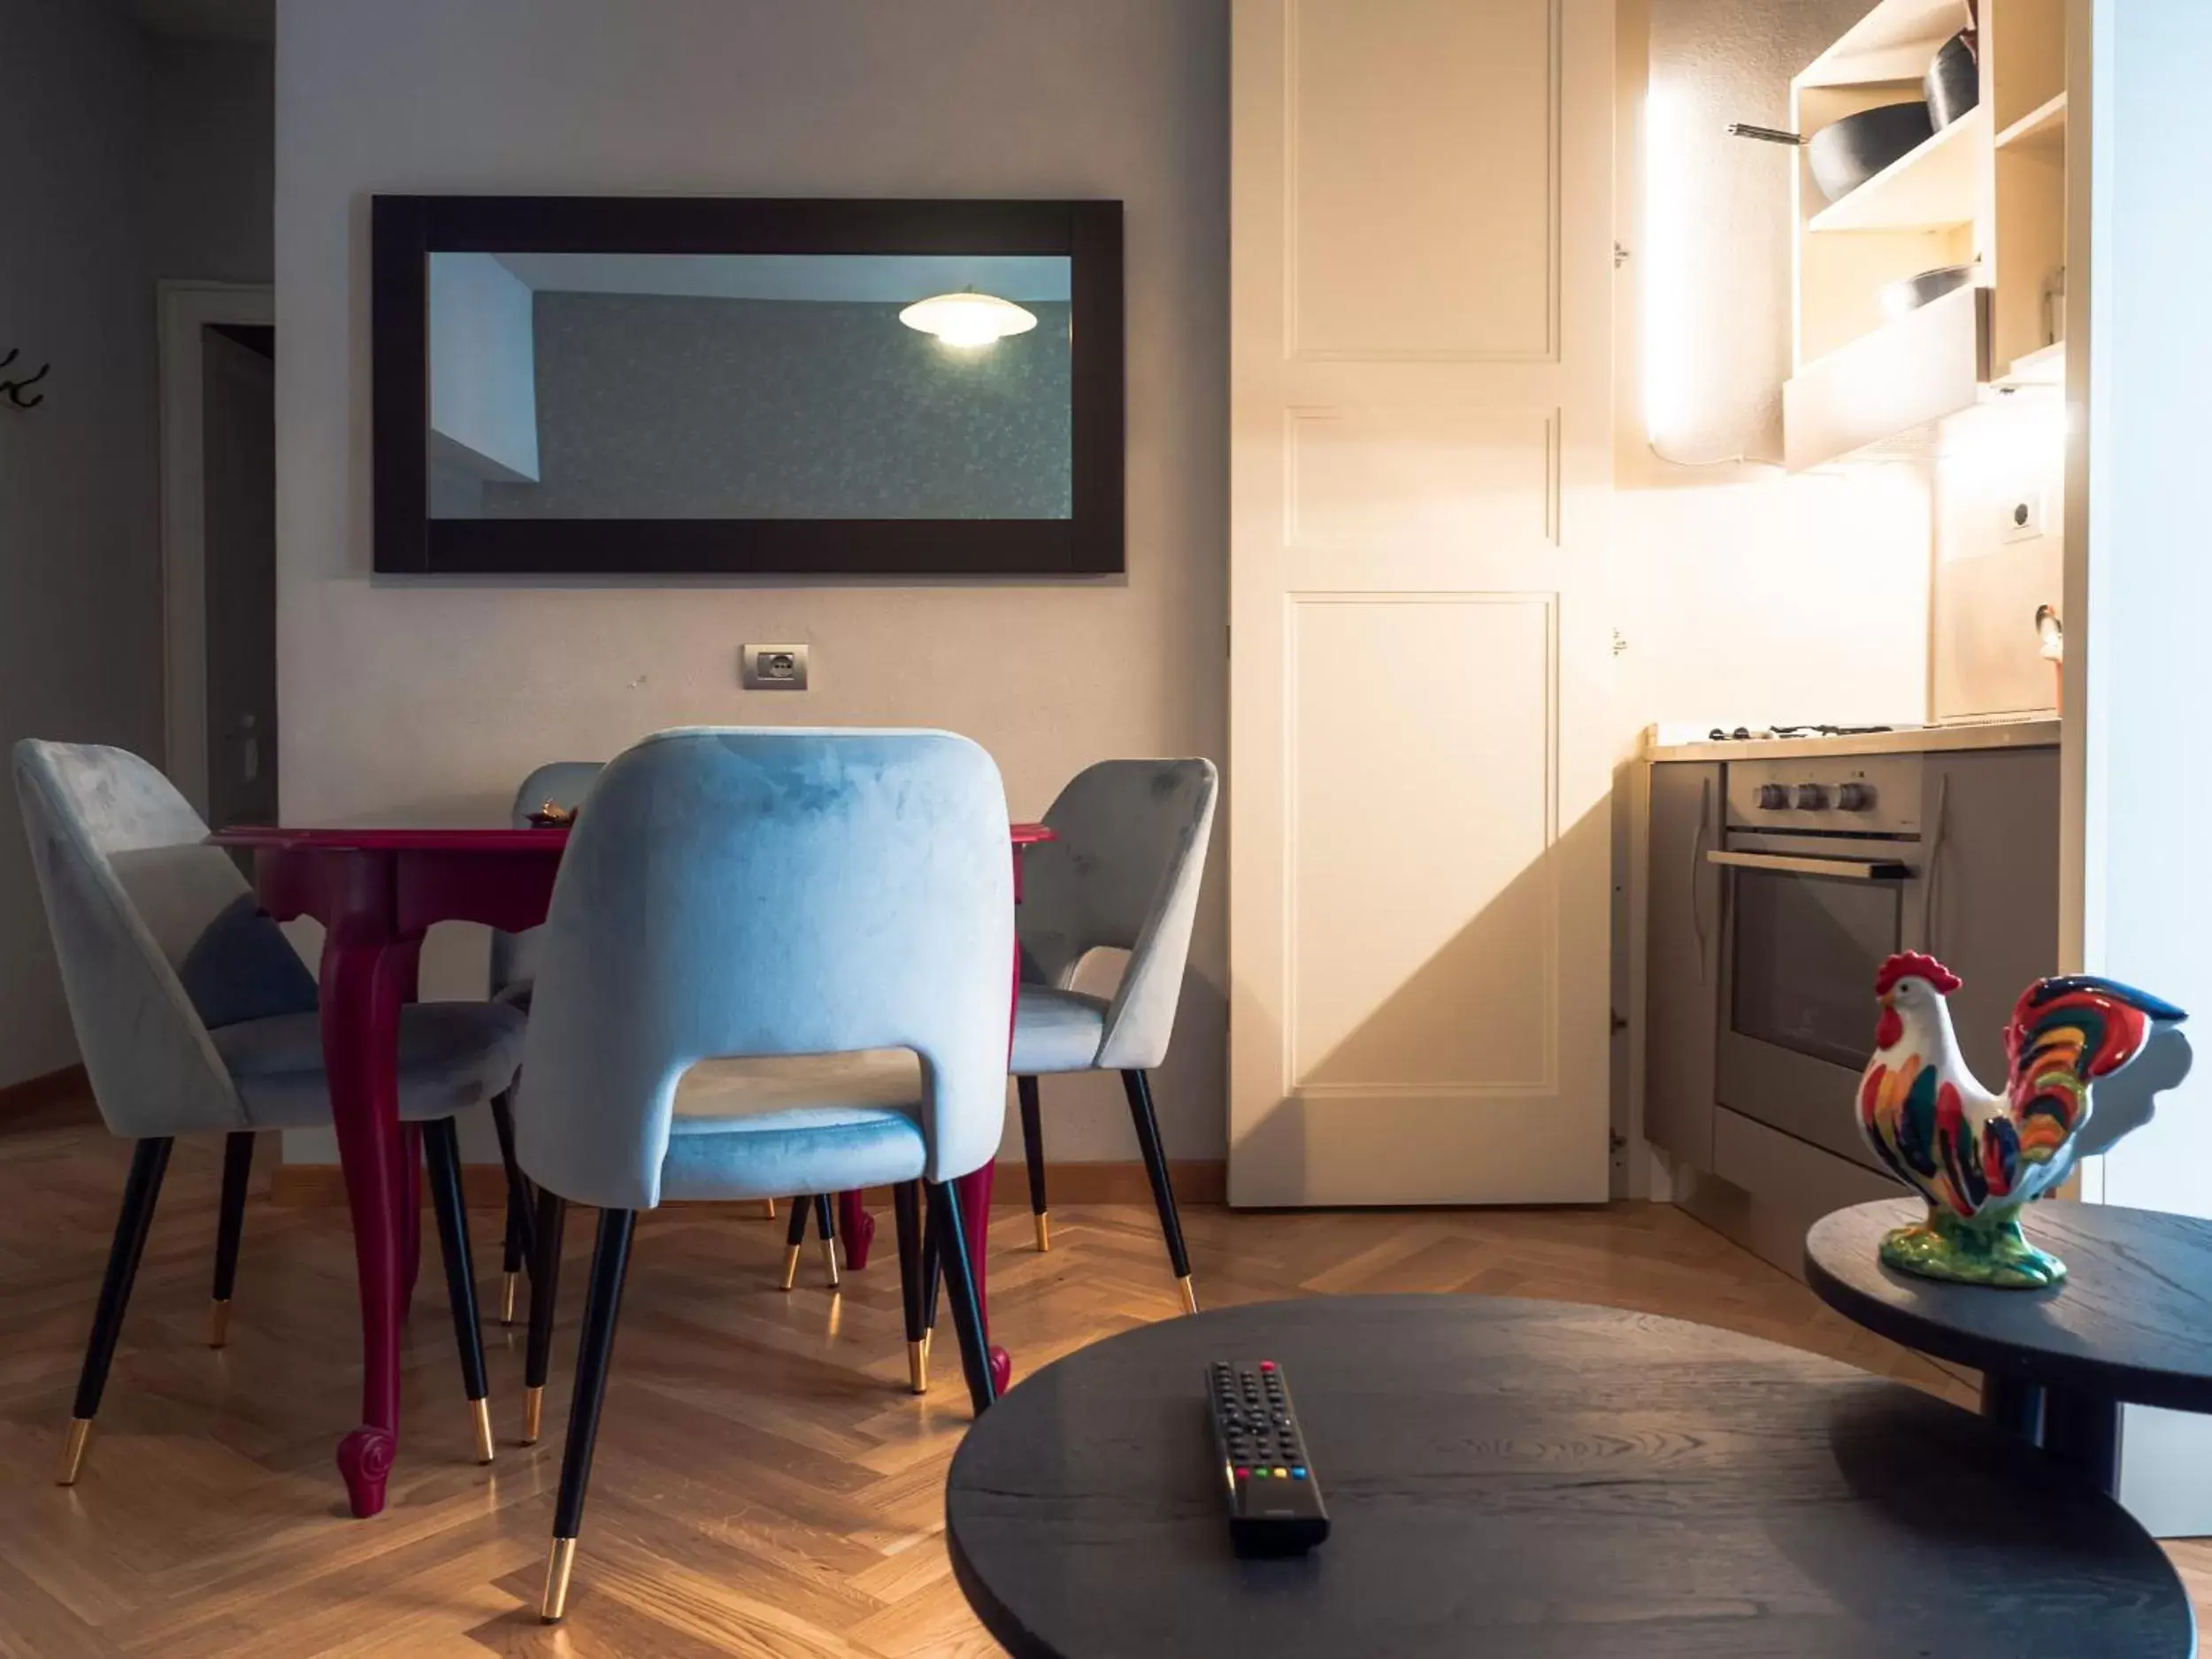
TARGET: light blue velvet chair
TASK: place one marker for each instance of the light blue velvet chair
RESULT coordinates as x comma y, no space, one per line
1121,873
194,1016
745,924
562,784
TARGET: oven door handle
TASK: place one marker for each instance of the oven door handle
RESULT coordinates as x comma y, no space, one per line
1835,869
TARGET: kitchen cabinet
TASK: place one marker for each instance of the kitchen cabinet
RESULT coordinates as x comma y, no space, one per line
1988,190
1991,888
1682,983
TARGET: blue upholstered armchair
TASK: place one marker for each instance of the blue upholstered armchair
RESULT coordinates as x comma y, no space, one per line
1122,872
194,1016
747,923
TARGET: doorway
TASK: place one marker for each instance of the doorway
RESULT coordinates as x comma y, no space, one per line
218,547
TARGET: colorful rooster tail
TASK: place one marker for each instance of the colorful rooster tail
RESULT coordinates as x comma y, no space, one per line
2065,1034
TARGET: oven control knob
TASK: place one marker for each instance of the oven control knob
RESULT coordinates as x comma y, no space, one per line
1854,797
1811,797
1772,797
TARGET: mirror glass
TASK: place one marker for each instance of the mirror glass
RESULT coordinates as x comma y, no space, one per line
748,386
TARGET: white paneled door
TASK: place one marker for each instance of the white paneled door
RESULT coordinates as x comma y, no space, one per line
1421,453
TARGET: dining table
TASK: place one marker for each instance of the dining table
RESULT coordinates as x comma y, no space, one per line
376,891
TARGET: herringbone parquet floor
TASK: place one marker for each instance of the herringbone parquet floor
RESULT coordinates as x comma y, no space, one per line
764,1485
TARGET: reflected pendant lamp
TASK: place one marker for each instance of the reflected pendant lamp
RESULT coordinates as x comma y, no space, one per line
969,318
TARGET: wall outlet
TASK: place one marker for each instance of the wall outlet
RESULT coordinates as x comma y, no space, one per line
772,667
2023,517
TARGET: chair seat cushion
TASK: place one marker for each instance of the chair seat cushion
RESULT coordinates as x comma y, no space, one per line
1056,1031
451,1055
795,1124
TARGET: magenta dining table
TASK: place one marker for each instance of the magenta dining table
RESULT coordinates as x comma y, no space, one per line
377,892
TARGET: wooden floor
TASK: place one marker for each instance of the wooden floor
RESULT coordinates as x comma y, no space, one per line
764,1485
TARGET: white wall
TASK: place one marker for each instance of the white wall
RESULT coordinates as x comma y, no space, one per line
1742,595
79,641
431,699
213,150
2140,675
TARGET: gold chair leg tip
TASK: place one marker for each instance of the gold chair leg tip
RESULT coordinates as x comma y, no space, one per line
790,1265
482,1410
918,1367
533,1414
558,1565
218,1322
72,1451
769,1204
829,1262
1044,1232
507,1288
1190,1296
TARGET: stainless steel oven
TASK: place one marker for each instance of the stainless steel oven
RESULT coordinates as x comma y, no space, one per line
1824,876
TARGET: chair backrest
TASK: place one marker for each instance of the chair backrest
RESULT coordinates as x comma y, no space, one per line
732,892
130,889
1124,873
563,783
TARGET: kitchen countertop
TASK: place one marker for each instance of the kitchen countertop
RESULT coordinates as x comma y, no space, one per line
2030,734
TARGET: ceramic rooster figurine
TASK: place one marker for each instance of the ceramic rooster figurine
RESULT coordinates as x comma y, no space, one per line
1978,1157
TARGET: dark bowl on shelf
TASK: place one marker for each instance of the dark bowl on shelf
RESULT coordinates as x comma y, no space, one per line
1902,299
1846,154
1955,80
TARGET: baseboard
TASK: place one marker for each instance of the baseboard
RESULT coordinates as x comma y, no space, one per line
38,1096
1197,1181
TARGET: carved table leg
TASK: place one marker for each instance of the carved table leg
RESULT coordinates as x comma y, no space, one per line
363,979
975,1215
857,1227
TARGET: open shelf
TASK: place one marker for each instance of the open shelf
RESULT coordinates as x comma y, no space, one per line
2046,368
2042,129
1933,188
1904,376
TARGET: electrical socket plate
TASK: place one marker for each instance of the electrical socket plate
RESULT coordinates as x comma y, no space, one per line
772,667
2023,517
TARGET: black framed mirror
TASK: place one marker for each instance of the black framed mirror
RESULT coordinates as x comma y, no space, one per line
643,385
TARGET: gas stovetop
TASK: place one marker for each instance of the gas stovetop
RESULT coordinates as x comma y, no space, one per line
1770,733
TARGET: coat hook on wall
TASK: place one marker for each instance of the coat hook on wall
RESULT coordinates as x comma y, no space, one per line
14,388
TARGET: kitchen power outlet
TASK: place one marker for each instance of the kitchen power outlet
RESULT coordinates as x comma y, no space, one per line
772,667
2023,517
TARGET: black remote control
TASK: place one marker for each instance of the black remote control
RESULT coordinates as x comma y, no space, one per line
1274,1501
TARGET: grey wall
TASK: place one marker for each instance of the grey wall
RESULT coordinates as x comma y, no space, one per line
79,647
432,699
651,406
213,155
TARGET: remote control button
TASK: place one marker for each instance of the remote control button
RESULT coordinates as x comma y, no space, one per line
1298,1474
1282,1474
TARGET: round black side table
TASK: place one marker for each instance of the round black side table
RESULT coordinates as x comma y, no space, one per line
2131,1322
1537,1480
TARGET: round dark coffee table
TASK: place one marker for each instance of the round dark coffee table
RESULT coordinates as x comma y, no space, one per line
1519,1479
2131,1322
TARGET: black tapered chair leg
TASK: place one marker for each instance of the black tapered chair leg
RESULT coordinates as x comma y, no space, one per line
517,1252
230,1225
931,1278
545,1294
826,1224
441,1145
906,1206
967,1313
594,1351
1033,1154
1139,1088
795,1238
148,1162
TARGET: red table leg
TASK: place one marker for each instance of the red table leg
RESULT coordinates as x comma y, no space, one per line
363,979
975,1216
857,1227
410,1216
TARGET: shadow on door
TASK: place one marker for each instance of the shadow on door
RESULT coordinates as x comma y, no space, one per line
238,451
